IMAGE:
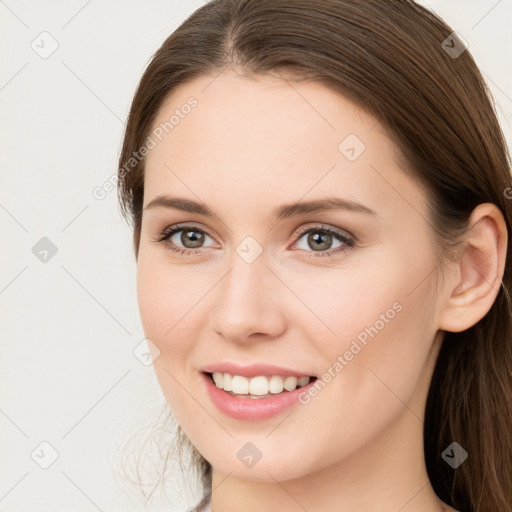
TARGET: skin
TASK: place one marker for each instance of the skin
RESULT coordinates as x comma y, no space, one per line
249,146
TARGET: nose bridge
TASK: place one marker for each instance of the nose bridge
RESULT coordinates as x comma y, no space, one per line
245,300
245,282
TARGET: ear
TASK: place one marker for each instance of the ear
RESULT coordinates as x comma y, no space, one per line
474,285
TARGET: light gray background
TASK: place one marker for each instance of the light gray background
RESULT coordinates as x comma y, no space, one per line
68,375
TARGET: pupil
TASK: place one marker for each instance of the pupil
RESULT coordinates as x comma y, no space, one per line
192,237
319,239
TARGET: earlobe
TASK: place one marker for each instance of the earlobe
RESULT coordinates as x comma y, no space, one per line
480,267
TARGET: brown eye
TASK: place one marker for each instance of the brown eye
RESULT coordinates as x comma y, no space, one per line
193,237
319,242
183,239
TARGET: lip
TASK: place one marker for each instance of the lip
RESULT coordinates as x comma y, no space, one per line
254,370
252,409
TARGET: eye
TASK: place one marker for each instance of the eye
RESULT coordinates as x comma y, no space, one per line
188,239
191,237
321,238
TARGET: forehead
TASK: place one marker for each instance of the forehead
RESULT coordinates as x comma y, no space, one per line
245,115
265,137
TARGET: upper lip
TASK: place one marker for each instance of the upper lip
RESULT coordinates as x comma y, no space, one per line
253,370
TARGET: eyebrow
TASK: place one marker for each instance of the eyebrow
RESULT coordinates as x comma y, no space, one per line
282,212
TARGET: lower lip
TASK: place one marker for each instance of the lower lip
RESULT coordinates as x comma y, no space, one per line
252,408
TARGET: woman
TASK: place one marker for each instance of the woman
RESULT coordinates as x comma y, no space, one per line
318,193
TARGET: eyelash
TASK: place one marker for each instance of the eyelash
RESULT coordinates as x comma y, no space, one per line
349,242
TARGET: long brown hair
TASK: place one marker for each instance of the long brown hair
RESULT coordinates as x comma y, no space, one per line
393,60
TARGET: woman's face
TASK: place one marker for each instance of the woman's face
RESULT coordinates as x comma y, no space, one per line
353,306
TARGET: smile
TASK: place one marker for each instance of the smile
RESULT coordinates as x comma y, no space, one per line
257,387
255,398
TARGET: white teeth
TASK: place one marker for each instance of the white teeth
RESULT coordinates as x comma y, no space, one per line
218,378
226,385
290,383
276,384
257,386
302,381
240,385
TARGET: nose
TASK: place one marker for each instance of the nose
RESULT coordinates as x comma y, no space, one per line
249,303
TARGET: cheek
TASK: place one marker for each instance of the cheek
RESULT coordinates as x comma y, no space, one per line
161,308
152,298
343,301
165,295
372,323
163,312
382,342
172,304
374,369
